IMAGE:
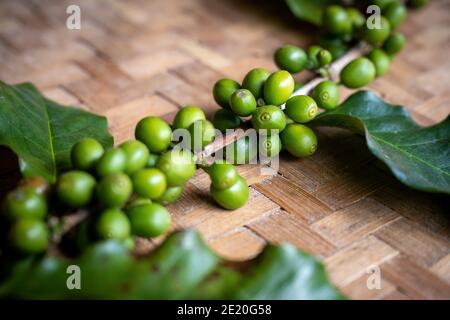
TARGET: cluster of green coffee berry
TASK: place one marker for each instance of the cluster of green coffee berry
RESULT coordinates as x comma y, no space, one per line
260,97
262,94
344,26
126,187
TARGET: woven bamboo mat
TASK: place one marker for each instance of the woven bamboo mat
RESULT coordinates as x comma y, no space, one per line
136,58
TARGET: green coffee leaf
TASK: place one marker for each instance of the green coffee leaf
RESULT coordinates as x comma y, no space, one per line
307,10
42,132
183,267
418,156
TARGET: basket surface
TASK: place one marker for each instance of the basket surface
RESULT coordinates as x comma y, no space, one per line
137,58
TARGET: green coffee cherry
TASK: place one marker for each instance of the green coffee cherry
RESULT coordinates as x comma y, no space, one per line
225,119
222,91
138,201
223,175
177,165
324,58
171,195
254,81
137,155
394,44
187,116
380,60
233,197
85,154
149,220
377,36
358,73
268,117
75,188
113,224
202,133
242,151
242,102
326,95
299,140
336,20
278,88
113,161
155,133
24,203
114,190
149,183
356,17
290,58
313,62
269,146
301,109
395,13
335,45
29,235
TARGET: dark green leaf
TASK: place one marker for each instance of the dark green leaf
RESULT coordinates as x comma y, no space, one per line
182,267
34,277
419,157
175,270
283,272
307,10
41,132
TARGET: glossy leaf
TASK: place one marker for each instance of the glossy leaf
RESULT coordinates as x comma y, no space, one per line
183,267
418,156
42,132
